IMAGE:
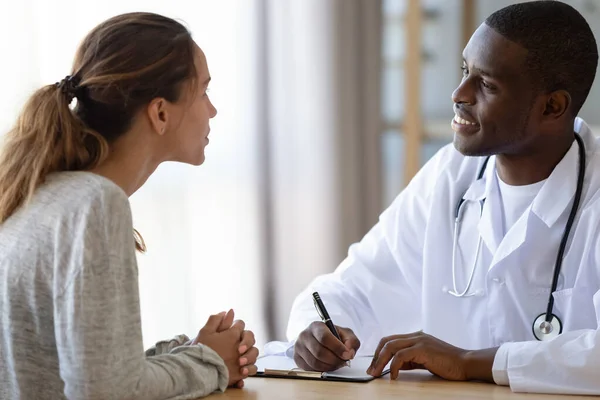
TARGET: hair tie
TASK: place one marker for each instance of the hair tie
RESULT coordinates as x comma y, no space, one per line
69,87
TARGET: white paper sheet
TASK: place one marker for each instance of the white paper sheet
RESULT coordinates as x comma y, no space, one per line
357,370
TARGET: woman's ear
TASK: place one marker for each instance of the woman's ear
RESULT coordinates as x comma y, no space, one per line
158,115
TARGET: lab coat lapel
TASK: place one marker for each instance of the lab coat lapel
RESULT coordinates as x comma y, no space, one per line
514,237
549,204
490,227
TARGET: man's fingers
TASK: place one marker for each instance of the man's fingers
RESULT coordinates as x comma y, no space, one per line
350,345
404,360
323,335
349,338
409,346
307,361
324,354
377,366
317,349
352,352
414,336
385,354
396,365
299,360
382,343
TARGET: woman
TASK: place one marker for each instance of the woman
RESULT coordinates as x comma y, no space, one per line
68,274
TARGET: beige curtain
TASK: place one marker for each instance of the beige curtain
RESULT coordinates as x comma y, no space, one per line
323,123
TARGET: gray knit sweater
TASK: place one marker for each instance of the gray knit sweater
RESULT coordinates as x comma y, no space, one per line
69,304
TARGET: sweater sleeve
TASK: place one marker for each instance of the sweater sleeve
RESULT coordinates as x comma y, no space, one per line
166,346
98,324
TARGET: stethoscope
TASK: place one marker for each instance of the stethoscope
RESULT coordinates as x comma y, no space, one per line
547,325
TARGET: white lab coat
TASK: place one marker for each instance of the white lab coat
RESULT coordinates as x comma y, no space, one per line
396,279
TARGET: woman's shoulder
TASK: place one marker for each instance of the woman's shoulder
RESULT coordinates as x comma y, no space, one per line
75,216
79,195
81,186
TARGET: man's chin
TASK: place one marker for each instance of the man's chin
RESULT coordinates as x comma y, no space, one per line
469,149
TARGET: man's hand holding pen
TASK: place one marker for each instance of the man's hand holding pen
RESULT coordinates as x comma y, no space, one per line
317,349
324,346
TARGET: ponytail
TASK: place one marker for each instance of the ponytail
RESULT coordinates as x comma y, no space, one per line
48,137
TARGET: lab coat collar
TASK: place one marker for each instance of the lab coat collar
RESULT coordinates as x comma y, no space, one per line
485,189
490,224
480,188
558,191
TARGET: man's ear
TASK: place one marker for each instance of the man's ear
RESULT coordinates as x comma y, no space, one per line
557,104
158,115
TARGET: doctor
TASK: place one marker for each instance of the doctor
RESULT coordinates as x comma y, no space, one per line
511,292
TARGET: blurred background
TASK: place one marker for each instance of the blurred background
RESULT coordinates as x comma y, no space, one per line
326,109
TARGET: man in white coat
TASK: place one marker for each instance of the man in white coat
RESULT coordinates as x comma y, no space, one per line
482,302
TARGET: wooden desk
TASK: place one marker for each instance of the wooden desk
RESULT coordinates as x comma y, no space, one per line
410,385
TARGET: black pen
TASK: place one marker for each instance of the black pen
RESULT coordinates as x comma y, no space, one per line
322,311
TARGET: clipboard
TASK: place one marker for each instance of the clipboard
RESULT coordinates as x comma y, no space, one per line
280,366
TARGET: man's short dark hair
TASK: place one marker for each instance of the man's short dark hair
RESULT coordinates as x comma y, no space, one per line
562,52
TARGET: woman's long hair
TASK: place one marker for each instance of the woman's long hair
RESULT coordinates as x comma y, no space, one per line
120,66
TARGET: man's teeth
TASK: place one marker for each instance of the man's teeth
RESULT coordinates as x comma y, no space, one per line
462,121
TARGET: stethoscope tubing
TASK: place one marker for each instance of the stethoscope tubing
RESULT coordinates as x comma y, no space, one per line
549,314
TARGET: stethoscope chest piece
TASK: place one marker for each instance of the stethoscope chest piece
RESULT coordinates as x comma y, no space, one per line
544,330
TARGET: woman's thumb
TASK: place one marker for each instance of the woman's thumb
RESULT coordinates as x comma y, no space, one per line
227,321
214,321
